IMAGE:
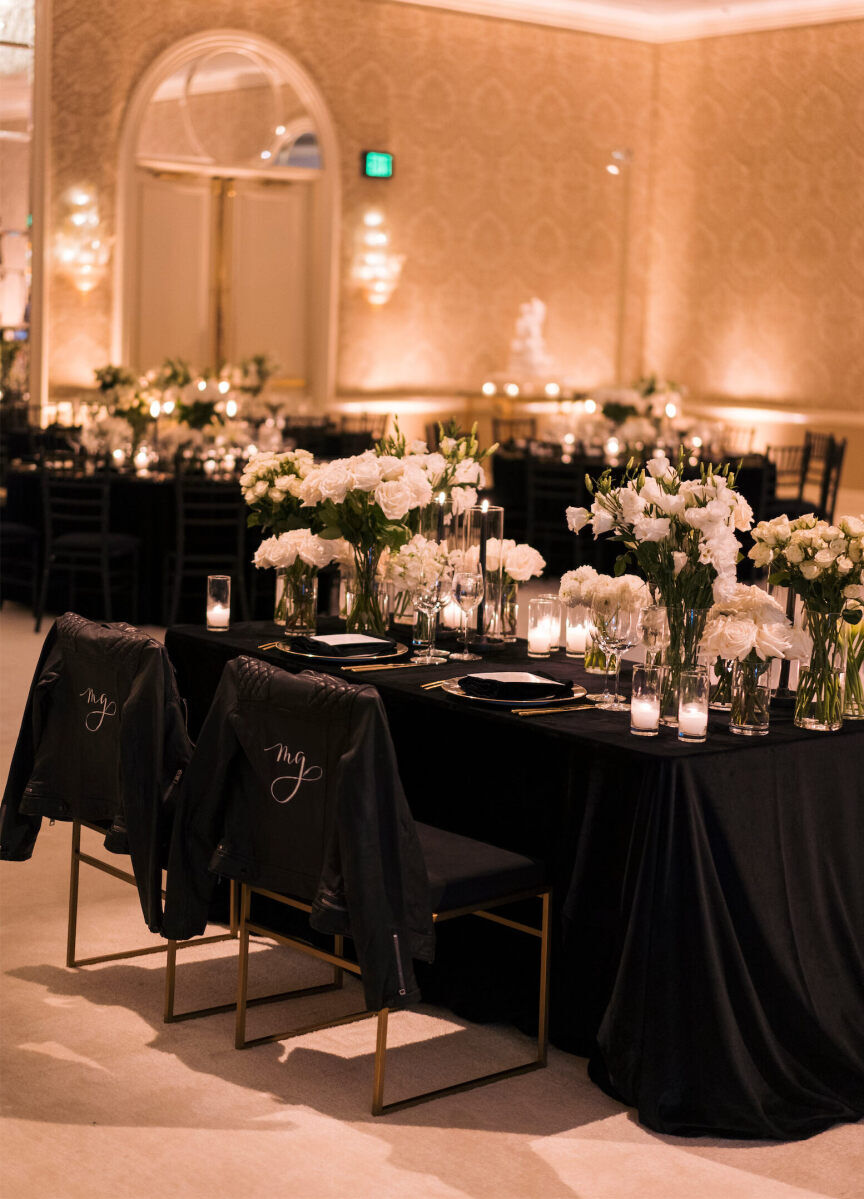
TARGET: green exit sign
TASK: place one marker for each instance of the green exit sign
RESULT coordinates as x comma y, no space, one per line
376,164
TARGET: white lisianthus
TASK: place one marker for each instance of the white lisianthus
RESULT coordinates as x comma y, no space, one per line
463,498
577,519
680,561
577,586
651,528
658,466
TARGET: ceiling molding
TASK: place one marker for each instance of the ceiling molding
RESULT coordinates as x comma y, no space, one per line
690,21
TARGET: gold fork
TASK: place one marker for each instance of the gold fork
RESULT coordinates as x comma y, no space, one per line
552,711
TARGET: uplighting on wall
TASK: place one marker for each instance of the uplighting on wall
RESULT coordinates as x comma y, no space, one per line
81,248
376,269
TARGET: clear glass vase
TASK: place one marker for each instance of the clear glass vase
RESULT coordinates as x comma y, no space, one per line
509,611
853,708
595,660
750,706
424,625
819,699
368,597
720,675
686,626
296,606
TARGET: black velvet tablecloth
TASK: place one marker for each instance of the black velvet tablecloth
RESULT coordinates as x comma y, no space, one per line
709,899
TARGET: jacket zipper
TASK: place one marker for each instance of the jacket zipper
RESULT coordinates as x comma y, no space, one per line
402,989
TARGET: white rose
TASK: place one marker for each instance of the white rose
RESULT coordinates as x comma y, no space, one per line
854,591
524,562
315,551
283,483
419,485
739,638
334,482
389,467
844,564
772,640
794,553
852,525
497,551
260,489
366,472
577,518
395,499
810,570
275,495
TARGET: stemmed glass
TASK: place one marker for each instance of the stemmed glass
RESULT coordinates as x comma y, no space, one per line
430,596
617,628
654,633
467,592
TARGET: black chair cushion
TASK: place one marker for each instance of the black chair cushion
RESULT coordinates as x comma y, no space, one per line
463,871
11,530
116,543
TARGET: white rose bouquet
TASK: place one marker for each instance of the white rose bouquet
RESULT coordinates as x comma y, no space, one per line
454,470
824,564
297,556
366,500
271,484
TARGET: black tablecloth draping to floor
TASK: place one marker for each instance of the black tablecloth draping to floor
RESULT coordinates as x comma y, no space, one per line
709,899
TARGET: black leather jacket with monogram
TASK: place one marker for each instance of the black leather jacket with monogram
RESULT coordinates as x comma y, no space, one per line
103,740
294,787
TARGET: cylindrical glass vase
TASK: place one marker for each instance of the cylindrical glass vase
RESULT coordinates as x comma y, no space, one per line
820,698
368,597
750,708
686,626
854,705
720,674
296,606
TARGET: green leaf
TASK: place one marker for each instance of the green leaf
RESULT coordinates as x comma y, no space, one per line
620,564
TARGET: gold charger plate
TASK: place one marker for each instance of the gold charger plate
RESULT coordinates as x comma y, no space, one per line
452,687
345,659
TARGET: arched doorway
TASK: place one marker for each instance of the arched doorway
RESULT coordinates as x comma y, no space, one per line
228,212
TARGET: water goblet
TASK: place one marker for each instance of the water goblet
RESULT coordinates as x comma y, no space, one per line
430,595
617,630
467,592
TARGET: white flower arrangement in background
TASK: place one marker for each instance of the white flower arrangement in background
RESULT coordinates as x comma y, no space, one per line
285,550
271,484
577,586
416,563
518,562
821,562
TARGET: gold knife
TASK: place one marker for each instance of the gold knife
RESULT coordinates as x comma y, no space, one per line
388,666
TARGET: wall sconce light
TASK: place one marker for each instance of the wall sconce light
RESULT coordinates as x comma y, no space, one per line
619,160
81,249
375,270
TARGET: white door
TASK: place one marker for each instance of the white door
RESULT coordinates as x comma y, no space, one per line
173,269
267,310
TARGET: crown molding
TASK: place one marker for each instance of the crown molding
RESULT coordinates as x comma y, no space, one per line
714,19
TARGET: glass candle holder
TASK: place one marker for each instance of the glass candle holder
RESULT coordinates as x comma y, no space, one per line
218,603
542,633
693,705
577,631
555,627
645,700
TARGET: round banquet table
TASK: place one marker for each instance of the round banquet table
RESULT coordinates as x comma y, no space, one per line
709,899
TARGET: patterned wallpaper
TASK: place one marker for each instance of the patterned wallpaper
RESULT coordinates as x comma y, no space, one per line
747,252
757,240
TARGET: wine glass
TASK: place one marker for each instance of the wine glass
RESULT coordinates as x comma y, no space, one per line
467,592
430,595
617,625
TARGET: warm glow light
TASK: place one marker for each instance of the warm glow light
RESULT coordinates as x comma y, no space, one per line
118,455
280,129
265,154
484,507
590,406
612,169
373,218
511,389
168,407
201,385
155,409
224,387
697,442
671,410
488,389
613,445
552,389
231,409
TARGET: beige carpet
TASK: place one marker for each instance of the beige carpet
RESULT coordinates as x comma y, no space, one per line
101,1099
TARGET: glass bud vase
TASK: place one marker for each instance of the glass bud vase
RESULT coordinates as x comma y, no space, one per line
424,623
368,598
854,706
296,606
820,698
751,697
509,611
720,675
686,626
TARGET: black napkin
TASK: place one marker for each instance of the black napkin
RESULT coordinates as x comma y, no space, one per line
359,649
488,686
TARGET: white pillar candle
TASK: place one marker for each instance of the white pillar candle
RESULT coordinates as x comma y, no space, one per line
577,637
645,713
218,616
451,615
539,640
692,720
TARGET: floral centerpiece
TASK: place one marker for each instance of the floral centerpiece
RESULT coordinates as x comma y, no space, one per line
271,485
250,375
681,535
454,470
823,563
748,630
366,500
297,556
513,564
576,593
126,398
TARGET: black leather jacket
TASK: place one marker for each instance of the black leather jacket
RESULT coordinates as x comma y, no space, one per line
294,787
103,740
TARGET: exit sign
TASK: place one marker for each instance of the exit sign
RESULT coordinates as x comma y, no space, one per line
376,164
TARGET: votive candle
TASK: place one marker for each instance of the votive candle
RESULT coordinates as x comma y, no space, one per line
692,722
218,603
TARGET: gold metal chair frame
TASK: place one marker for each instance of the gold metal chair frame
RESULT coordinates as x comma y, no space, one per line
79,858
340,963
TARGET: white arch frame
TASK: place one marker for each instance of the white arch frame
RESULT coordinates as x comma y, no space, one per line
324,296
